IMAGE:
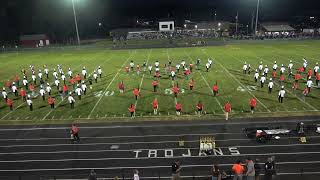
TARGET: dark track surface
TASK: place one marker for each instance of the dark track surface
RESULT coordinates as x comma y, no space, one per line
45,151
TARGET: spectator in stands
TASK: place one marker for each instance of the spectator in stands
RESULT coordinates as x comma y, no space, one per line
136,175
92,175
216,174
176,170
250,169
238,170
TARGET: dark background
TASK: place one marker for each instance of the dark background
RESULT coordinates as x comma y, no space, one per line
55,17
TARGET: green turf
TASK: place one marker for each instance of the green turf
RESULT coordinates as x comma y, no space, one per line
227,71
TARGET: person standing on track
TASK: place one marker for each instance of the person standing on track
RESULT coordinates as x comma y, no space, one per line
238,170
269,169
250,174
227,109
175,169
75,133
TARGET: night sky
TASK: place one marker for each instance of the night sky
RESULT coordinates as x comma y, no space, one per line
55,17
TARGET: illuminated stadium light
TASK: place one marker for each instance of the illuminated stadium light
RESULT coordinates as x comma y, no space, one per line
196,26
312,17
185,26
219,24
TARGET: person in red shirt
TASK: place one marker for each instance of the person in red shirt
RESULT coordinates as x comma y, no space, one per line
75,133
215,89
78,78
136,92
17,80
131,110
65,90
317,79
296,83
274,74
138,69
175,90
73,83
157,74
301,69
191,83
305,92
155,85
121,87
227,109
281,79
190,66
186,73
51,102
155,106
10,104
253,104
32,89
310,73
23,94
199,108
178,108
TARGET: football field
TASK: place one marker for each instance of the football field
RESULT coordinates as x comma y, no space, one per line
104,102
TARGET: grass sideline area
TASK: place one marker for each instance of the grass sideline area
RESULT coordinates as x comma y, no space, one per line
104,102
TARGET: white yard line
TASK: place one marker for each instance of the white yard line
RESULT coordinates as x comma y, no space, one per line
66,97
231,75
148,158
12,111
207,84
135,104
172,82
159,149
94,107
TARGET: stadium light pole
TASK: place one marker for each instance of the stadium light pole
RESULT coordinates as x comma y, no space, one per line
257,15
76,22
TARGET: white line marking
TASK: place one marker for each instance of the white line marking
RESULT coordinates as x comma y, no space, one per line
12,111
157,167
94,107
226,70
135,104
144,158
131,150
126,143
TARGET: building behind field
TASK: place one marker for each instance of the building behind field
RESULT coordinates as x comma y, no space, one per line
277,29
34,40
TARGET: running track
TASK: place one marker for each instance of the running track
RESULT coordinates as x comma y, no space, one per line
45,152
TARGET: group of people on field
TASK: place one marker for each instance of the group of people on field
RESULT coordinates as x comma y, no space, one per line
41,82
289,73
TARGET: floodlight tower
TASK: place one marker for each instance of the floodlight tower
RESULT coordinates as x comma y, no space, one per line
76,22
257,15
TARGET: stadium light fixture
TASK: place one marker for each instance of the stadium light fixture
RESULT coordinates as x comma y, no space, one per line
185,26
219,24
196,26
100,24
312,17
76,22
257,16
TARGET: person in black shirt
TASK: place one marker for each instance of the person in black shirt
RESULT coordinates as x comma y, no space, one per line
176,170
269,169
